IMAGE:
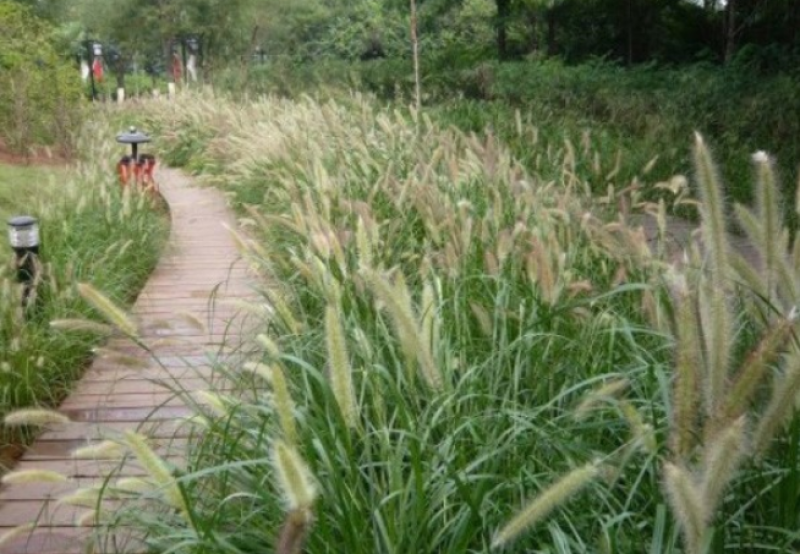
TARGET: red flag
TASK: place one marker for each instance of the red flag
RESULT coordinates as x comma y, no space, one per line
97,70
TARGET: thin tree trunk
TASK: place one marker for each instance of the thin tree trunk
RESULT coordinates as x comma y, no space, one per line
168,60
503,13
551,32
629,25
730,30
415,50
250,51
533,24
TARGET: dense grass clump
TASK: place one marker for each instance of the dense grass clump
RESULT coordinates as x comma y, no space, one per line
461,355
90,232
637,112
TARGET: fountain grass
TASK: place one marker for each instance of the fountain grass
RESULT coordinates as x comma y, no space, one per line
451,330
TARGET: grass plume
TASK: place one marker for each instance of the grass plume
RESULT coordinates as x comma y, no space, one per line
108,309
551,498
341,375
688,506
35,418
717,322
293,476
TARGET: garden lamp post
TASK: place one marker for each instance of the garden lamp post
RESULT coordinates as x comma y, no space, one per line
23,236
139,166
134,138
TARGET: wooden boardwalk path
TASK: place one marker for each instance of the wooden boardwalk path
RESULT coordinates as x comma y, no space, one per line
197,280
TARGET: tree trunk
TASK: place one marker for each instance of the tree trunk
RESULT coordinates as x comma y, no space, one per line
415,53
533,24
503,15
730,30
168,60
249,56
629,25
552,47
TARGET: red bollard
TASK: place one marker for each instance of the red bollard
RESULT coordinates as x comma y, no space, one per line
124,170
137,172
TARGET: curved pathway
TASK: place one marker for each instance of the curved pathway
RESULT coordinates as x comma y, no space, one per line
186,315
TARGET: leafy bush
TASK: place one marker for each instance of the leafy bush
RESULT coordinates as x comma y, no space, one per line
40,93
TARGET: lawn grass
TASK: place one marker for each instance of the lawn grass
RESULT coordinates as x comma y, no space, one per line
24,186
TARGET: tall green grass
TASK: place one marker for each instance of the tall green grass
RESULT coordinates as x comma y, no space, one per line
464,355
638,112
438,314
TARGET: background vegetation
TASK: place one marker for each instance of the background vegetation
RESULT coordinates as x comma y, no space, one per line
644,75
40,101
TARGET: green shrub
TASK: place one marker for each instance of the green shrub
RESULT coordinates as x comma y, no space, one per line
40,93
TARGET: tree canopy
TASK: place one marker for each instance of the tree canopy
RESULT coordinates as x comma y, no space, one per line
628,31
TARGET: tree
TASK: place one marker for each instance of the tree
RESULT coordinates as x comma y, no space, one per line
40,93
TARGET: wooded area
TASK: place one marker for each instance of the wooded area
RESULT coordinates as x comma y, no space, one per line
627,31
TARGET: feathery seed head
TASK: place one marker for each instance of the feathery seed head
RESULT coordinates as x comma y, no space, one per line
108,450
262,370
687,505
81,325
552,497
270,346
85,497
341,375
35,418
114,314
212,400
16,532
135,485
294,478
284,405
25,476
157,469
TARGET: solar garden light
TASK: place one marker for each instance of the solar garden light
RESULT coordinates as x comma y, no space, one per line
23,236
132,165
134,138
